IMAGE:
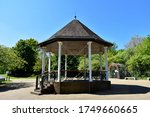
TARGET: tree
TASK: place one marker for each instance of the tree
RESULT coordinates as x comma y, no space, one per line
27,51
95,62
120,57
38,65
135,41
9,60
72,62
139,63
96,59
3,60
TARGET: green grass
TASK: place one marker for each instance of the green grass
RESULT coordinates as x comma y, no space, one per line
142,78
6,82
13,78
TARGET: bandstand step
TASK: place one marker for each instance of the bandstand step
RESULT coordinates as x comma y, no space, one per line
48,89
36,92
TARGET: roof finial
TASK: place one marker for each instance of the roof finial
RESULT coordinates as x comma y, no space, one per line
75,17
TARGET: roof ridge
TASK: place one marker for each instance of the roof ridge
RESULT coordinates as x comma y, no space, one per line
89,31
60,29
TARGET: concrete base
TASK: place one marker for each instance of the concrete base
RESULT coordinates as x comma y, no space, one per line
80,86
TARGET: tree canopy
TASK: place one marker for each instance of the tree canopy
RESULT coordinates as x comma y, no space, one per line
136,57
24,59
139,62
27,51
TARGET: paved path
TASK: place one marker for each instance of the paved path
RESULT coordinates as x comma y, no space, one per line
121,90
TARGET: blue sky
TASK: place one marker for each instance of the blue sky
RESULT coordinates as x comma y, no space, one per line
113,20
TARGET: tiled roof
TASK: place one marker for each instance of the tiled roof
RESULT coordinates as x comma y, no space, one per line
75,31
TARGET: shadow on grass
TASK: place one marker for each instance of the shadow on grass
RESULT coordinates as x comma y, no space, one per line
13,86
117,89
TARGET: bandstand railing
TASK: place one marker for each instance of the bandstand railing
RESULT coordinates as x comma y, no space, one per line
44,79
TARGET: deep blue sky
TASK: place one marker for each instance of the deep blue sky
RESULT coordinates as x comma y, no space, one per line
113,20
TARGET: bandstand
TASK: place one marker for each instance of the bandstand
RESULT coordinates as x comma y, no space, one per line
73,39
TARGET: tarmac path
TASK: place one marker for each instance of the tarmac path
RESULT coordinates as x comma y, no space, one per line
20,89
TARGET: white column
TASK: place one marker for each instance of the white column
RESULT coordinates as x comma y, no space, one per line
84,67
100,54
49,65
65,66
90,63
43,62
59,60
106,62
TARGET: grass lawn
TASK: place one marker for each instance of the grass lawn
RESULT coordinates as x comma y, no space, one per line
142,78
14,78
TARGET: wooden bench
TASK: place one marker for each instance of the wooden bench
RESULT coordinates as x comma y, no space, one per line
126,78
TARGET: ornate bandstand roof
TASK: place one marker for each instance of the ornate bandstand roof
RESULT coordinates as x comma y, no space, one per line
74,37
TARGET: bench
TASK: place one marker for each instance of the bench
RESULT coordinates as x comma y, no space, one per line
126,78
2,79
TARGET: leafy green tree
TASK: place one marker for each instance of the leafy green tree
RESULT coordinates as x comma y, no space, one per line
139,63
3,58
96,59
120,57
81,63
27,51
9,60
95,62
72,62
38,65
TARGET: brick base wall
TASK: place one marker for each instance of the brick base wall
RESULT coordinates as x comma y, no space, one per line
80,86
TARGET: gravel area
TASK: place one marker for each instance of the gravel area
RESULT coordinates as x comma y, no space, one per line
121,90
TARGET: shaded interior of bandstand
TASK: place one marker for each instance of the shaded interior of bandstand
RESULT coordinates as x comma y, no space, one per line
63,80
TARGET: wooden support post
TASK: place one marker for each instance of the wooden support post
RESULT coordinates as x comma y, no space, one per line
43,62
100,54
43,69
84,67
59,61
106,62
49,66
65,66
90,62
